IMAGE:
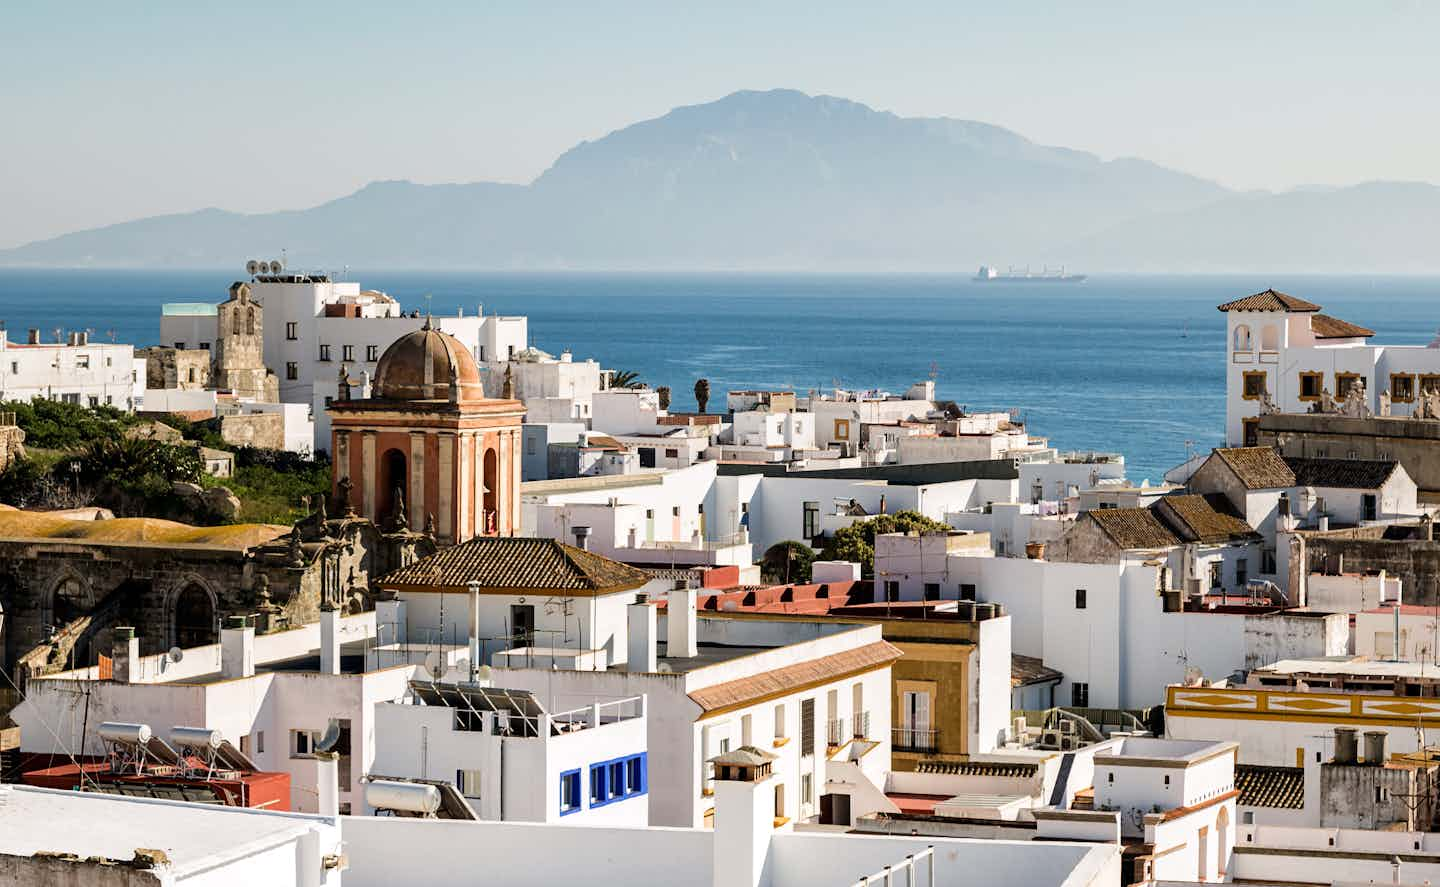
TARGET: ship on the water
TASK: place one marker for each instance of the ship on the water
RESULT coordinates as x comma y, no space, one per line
988,274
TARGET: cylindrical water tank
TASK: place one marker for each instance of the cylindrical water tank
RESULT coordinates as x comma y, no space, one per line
1345,745
407,797
195,737
116,731
1375,747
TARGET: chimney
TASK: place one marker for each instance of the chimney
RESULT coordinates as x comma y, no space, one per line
1345,745
745,816
329,640
582,537
327,783
680,640
126,654
32,336
237,648
1375,747
641,631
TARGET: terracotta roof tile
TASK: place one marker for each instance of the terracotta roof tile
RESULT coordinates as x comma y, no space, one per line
1270,300
1351,474
1258,468
1206,519
1259,786
1326,327
520,566
1132,528
1003,769
791,678
1030,670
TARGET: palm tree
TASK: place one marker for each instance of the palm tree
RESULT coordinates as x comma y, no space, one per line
702,393
664,392
625,379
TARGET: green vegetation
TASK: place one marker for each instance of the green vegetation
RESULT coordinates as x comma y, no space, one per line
53,425
275,487
626,379
702,393
787,562
856,543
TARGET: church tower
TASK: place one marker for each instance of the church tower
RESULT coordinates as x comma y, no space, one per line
428,444
238,361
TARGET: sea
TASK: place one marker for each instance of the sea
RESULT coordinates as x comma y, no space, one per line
1119,363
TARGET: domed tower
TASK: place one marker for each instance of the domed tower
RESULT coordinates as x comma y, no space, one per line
428,443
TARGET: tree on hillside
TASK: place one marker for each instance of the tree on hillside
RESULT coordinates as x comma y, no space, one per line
787,562
702,393
664,392
856,543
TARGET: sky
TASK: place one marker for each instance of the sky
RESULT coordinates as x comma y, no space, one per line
119,111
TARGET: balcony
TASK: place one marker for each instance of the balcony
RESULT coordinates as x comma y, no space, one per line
862,725
913,740
835,733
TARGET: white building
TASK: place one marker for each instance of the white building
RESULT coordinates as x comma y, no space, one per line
87,839
554,389
72,370
1282,347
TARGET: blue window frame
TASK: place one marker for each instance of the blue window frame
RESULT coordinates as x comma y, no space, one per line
618,779
569,792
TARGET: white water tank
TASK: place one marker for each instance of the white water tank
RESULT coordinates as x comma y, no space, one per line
196,737
116,731
406,797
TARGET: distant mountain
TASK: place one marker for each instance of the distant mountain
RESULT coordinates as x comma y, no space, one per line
780,179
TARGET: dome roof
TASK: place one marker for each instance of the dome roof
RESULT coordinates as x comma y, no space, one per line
428,365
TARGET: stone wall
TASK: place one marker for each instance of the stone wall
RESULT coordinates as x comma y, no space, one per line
187,369
264,430
239,351
1414,443
1400,550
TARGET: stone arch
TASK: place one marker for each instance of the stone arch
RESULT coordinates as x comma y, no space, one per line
1270,337
1242,339
250,321
193,611
394,475
1222,836
69,597
491,512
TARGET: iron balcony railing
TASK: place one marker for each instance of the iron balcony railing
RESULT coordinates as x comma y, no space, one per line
911,739
835,734
862,725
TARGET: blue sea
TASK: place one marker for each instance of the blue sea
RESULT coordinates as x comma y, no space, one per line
1129,363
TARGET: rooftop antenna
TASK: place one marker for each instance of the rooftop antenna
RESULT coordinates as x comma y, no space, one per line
934,371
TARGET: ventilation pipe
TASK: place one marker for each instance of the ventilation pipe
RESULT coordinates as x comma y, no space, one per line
329,640
641,635
680,623
237,648
1345,745
582,537
1375,747
125,654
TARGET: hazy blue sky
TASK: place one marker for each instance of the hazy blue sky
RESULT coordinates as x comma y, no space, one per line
114,111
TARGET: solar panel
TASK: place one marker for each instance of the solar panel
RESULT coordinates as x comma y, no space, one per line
231,758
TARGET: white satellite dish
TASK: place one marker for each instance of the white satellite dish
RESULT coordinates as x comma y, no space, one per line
462,665
483,674
433,664
664,668
175,654
332,736
252,267
276,266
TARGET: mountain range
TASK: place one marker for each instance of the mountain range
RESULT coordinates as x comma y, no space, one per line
783,180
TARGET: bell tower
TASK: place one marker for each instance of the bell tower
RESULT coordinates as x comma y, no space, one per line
428,450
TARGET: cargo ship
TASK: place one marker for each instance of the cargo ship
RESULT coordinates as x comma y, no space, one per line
988,274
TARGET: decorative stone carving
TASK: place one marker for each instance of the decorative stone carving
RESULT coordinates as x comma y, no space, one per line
1356,405
1267,407
1385,403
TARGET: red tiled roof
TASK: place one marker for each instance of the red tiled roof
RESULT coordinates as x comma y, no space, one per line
1327,327
1258,468
793,678
519,566
1270,300
909,802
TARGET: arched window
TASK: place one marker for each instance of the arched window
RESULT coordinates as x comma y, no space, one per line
394,479
1222,835
1242,338
249,321
71,601
1270,337
194,617
492,492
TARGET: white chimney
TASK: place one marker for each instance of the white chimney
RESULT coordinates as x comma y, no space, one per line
680,629
327,783
125,655
582,537
237,648
641,631
329,640
744,822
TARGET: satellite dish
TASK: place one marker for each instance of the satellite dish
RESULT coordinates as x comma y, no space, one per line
276,266
332,736
175,654
251,267
664,668
462,665
433,664
483,674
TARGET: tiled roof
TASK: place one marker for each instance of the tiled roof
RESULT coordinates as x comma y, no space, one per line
518,566
1132,527
1003,769
1270,300
791,678
1326,327
1030,670
1204,519
1258,468
1259,786
1349,474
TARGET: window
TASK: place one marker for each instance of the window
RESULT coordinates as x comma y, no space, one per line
1402,387
597,784
109,400
1216,578
290,332
70,398
807,726
259,742
1367,507
647,457
807,788
1110,777
779,722
967,591
1254,386
1429,382
842,429
1267,561
1242,338
372,353
292,371
245,744
1343,383
191,375
325,352
467,783
82,361
1079,598
675,511
672,453
892,590
1242,571
1080,694
1310,385
811,520
204,346
780,801
612,781
94,401
302,742
347,352
932,591
1250,431
615,780
569,791
179,346
635,775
